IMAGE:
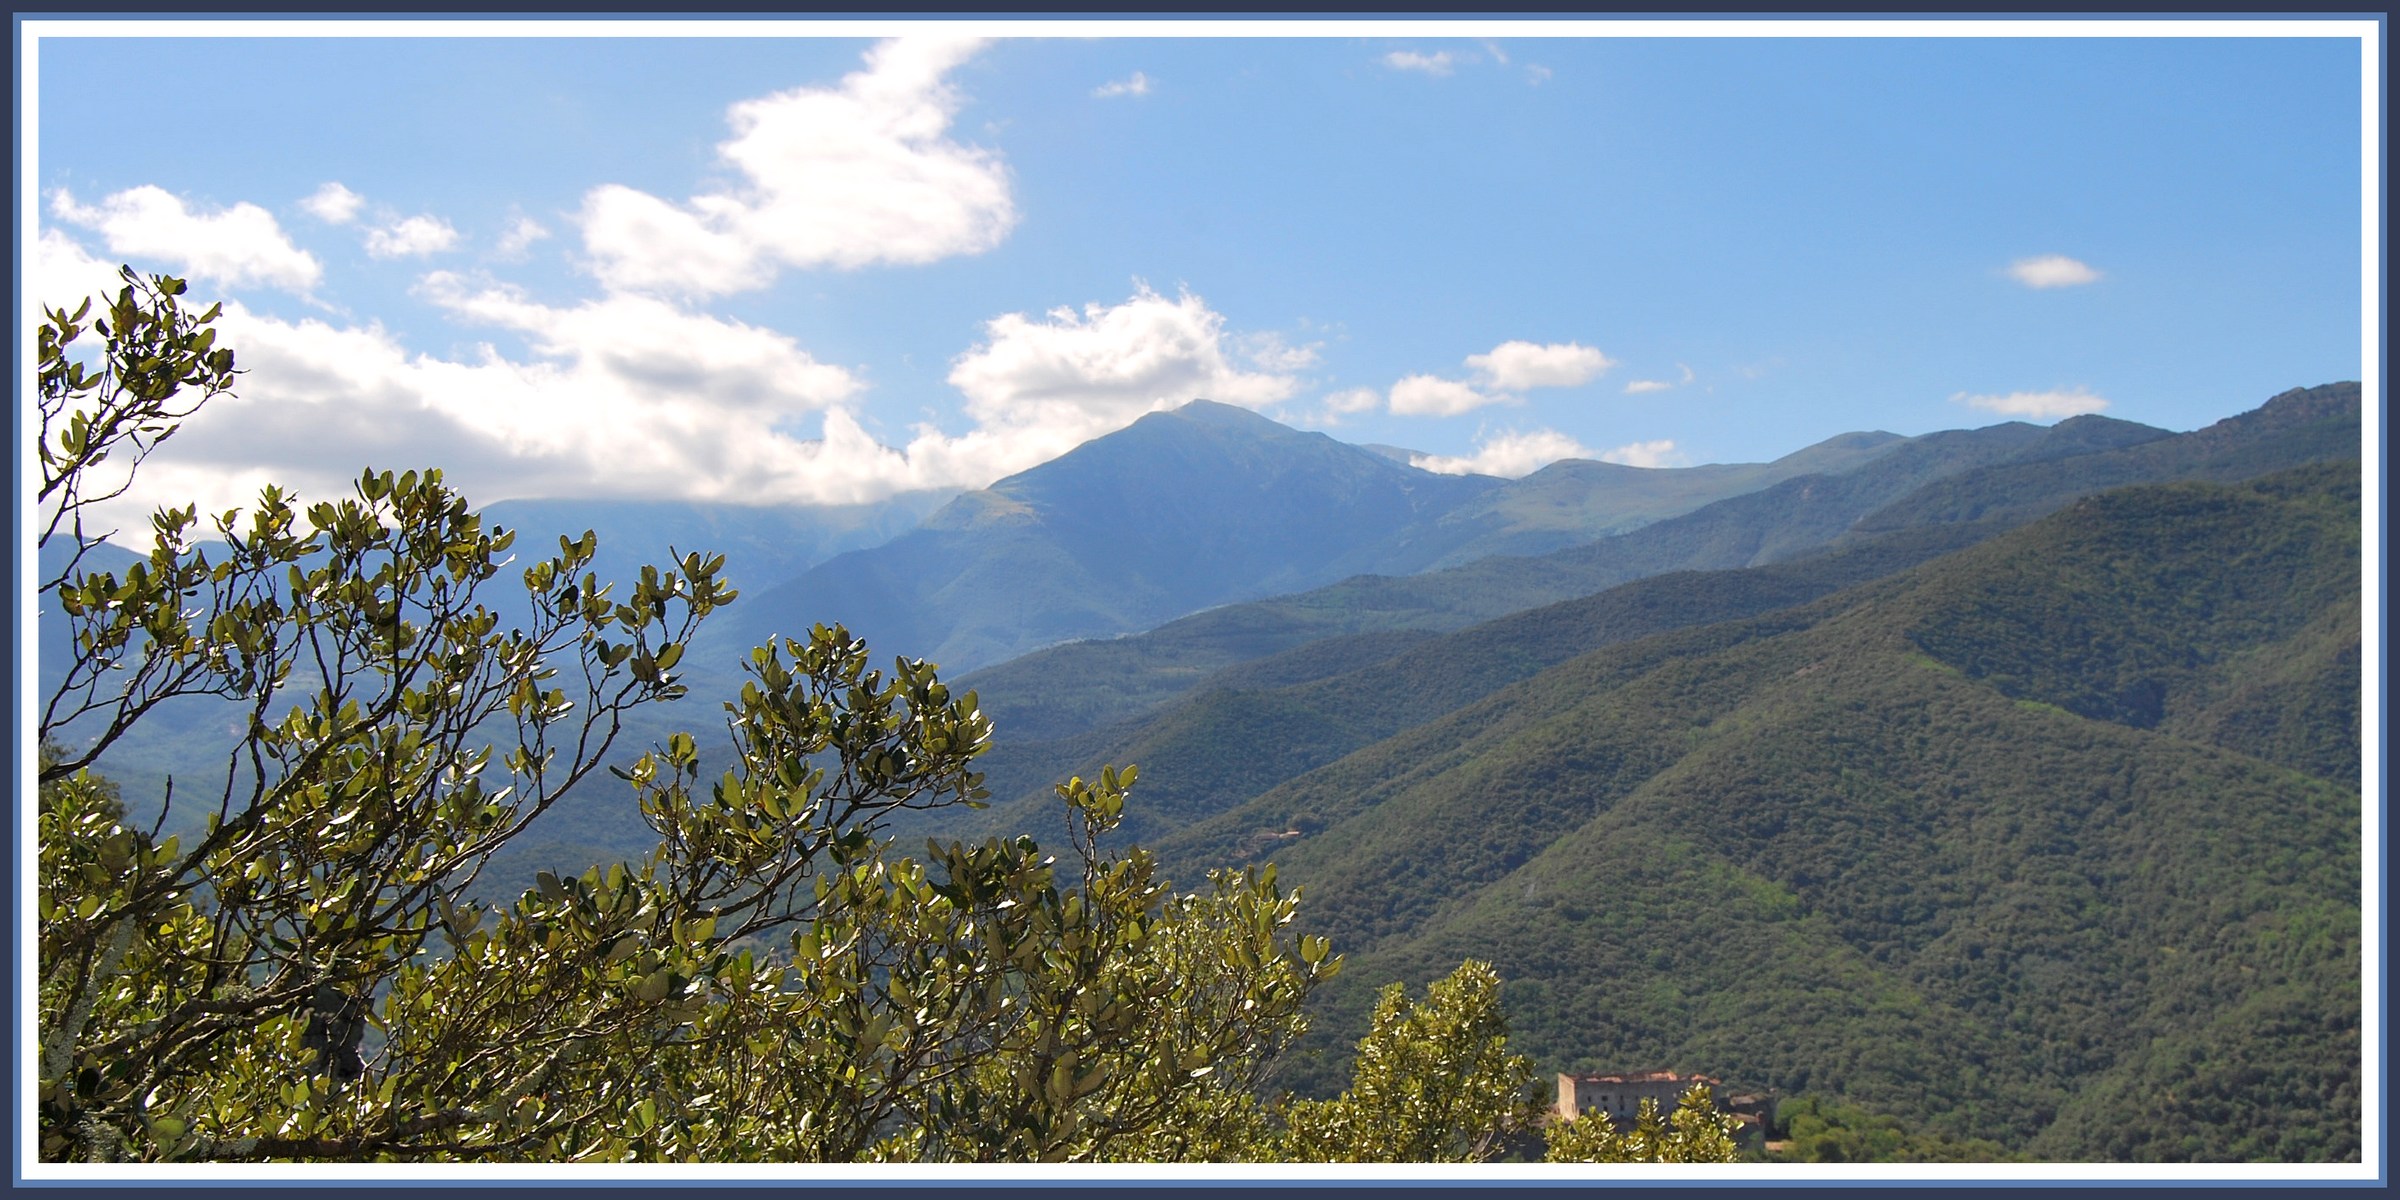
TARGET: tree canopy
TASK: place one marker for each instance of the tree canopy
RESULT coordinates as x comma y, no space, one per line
302,975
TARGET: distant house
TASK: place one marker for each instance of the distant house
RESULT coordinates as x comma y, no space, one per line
1621,1096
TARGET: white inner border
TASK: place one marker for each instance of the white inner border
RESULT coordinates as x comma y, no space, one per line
31,32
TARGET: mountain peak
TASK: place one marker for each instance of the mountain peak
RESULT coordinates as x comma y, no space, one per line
1219,415
2308,404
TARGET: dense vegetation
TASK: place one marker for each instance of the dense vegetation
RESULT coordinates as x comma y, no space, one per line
1075,687
1257,723
1974,846
1973,483
1209,504
1182,510
308,976
1985,832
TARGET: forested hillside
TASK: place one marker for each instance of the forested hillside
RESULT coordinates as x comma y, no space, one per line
1181,510
1983,845
1079,686
1574,501
1251,725
1209,504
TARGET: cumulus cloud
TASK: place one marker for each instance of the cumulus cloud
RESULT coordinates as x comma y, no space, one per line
1509,455
1536,74
1436,63
65,274
1068,375
333,204
231,246
1434,396
1350,402
1037,387
759,375
1516,366
413,237
843,177
1660,453
2052,271
2036,406
520,236
1136,84
635,396
1510,368
623,396
1268,351
1636,387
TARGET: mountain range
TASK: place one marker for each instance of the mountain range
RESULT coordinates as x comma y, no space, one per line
1201,506
2005,782
2052,841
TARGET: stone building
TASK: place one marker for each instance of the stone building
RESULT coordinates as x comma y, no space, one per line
1621,1096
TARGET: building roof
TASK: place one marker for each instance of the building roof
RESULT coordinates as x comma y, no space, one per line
1639,1077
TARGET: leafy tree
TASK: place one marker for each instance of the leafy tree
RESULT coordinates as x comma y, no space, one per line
158,364
302,977
1434,1081
1823,1130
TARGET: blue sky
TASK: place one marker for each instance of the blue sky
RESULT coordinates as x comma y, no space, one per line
817,269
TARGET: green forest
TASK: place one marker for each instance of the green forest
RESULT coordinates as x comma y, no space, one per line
1987,796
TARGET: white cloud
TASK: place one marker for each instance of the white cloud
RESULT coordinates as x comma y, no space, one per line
1136,84
1536,74
1509,368
1510,455
1038,387
333,204
521,234
1516,366
648,345
1069,376
1638,387
1268,351
631,395
640,241
2052,271
1335,407
64,273
414,237
841,177
1660,453
1437,63
623,396
2036,406
1353,400
1498,55
1433,396
150,226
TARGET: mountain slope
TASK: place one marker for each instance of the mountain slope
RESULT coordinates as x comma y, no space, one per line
763,545
1080,686
1179,511
2300,425
1577,500
1869,847
1989,479
1256,724
1251,726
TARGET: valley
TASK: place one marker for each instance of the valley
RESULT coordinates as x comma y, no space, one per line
2004,782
